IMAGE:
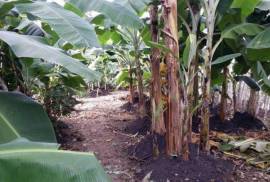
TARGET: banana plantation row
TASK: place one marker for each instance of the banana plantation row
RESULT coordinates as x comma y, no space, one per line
181,51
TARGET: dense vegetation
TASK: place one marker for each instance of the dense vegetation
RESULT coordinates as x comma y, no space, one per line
181,52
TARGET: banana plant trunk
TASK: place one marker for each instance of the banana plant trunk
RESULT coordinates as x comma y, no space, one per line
131,87
174,118
140,86
253,102
205,112
210,8
196,84
158,125
189,107
223,103
235,99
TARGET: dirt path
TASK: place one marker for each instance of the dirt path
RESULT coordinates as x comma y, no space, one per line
97,125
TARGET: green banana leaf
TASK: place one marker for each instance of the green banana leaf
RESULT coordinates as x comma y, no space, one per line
137,5
226,58
66,24
258,49
20,117
122,76
235,31
264,5
261,75
246,6
25,46
113,10
249,81
43,165
23,143
7,5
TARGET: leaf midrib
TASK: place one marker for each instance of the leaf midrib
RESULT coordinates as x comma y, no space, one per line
43,151
73,27
10,126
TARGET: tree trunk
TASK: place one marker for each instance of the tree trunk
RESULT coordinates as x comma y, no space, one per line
205,112
131,87
253,102
188,93
174,119
240,96
140,86
196,84
235,101
266,104
223,103
210,8
158,125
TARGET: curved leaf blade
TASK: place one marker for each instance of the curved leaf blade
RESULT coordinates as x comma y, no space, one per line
264,5
249,81
20,117
258,49
7,5
249,29
68,25
226,58
116,12
246,6
50,165
25,46
137,5
22,143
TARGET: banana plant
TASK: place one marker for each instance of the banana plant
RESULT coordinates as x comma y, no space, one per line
244,31
28,148
67,26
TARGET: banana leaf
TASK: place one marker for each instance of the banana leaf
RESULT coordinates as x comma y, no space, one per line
43,165
25,46
113,10
65,23
20,116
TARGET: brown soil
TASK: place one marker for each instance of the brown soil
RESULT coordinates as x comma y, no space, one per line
100,92
101,125
212,167
141,126
97,126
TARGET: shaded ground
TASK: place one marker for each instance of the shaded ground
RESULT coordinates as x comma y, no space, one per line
123,146
203,168
241,122
100,92
96,126
214,167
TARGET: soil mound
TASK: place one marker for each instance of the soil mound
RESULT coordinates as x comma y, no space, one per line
101,92
141,126
201,167
128,107
64,133
144,149
239,123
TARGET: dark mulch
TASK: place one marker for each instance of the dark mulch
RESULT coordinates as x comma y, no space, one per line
128,107
140,125
201,167
101,92
64,133
143,150
238,124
